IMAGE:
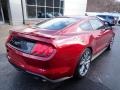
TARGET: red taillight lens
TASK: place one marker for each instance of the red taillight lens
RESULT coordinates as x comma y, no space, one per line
42,50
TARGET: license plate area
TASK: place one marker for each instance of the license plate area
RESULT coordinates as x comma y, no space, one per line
22,44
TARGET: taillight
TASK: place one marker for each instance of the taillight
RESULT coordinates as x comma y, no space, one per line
42,50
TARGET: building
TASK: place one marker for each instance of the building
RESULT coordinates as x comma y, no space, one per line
17,12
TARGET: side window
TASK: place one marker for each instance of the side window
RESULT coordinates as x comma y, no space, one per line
102,16
86,26
110,17
96,24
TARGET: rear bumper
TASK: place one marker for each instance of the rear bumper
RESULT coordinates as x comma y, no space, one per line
52,75
56,68
42,77
44,68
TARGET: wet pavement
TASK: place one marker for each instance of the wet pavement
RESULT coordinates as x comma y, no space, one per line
104,73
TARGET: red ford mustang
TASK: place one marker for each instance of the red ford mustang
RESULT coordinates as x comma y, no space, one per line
59,48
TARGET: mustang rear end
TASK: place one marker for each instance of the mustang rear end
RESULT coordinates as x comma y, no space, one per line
59,48
38,55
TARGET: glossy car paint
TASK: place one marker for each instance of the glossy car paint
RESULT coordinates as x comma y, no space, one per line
68,46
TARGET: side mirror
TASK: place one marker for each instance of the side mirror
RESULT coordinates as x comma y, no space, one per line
108,26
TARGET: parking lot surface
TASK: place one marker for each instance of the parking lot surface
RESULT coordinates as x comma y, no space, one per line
104,73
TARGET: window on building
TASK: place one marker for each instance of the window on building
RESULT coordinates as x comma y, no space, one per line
40,12
31,11
56,3
41,2
49,12
62,4
61,11
44,8
49,3
31,2
56,11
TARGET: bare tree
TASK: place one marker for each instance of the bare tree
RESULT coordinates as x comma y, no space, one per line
103,6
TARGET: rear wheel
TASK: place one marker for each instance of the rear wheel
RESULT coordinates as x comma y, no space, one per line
84,64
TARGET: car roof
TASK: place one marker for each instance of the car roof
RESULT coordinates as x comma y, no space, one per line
106,15
77,17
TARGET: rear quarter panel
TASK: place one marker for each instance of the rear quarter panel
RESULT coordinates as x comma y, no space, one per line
69,51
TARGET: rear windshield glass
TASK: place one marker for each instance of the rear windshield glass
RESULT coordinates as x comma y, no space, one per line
102,16
56,23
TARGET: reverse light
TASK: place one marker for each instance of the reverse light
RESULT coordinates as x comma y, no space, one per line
42,50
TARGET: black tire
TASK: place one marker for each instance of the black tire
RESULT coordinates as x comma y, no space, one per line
119,22
110,44
83,64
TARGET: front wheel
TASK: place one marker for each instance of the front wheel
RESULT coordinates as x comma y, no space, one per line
84,64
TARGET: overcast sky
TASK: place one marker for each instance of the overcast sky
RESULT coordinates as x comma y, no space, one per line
117,0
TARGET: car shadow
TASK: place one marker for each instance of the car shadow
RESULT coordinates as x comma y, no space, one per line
16,80
28,82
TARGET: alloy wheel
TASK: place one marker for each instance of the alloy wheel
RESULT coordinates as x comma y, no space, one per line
85,63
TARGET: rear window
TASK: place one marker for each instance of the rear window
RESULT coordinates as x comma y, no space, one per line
56,23
102,16
110,17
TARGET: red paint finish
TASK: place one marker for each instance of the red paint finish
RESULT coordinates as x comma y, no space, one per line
56,53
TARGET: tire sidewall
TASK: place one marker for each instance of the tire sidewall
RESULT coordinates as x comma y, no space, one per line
77,74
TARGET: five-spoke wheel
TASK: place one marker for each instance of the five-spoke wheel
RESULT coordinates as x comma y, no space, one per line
84,63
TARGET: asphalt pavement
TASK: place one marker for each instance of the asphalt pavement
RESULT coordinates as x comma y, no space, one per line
104,73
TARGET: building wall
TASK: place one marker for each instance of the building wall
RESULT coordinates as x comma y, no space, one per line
71,8
75,7
16,17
